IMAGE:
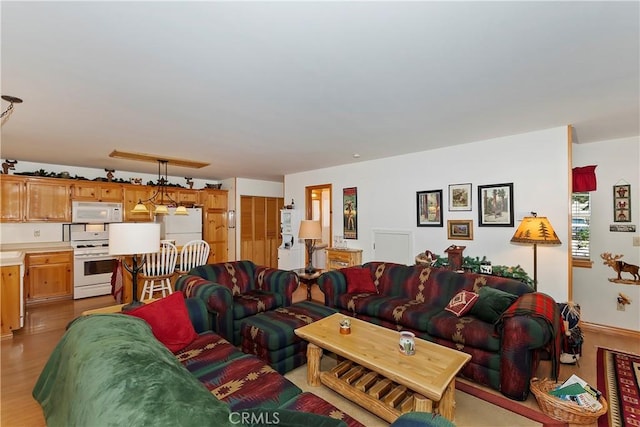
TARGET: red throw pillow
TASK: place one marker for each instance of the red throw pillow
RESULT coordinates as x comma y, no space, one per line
358,280
169,321
462,302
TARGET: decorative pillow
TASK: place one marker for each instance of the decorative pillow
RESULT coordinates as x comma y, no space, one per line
491,304
462,302
358,280
169,321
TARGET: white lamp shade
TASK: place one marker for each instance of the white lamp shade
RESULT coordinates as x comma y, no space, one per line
310,230
133,238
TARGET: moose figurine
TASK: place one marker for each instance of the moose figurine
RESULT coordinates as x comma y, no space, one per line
620,266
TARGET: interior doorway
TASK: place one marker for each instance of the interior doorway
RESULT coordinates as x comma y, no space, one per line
318,207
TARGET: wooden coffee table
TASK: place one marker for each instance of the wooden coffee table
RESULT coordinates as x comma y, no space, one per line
376,376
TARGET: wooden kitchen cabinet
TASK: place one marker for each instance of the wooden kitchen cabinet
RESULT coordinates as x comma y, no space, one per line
10,299
133,194
49,276
341,258
47,200
11,198
214,199
215,230
92,191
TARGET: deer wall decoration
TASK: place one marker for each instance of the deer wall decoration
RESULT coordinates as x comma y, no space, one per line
620,267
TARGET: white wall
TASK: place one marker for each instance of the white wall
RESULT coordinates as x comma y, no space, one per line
536,163
618,161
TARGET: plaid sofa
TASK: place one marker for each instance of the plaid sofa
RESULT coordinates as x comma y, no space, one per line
236,290
413,298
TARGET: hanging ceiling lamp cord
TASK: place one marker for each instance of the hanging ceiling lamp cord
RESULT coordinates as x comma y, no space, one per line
11,100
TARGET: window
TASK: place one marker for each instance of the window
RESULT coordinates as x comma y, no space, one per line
580,230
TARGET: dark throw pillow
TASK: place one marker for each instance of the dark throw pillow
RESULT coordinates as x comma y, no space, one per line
358,280
462,302
169,321
491,304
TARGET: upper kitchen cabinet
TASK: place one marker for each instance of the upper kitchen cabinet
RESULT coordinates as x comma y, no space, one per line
47,200
214,199
132,195
182,196
92,191
11,199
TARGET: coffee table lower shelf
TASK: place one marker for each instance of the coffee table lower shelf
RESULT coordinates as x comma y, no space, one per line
380,395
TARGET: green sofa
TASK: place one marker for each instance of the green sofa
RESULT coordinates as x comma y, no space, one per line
110,370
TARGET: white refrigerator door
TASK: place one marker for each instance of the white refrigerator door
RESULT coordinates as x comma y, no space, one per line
174,224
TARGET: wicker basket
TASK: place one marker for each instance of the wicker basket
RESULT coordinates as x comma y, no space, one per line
563,410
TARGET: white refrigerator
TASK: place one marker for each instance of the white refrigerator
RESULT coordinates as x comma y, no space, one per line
181,228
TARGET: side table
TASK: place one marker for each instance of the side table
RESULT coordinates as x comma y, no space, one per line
308,279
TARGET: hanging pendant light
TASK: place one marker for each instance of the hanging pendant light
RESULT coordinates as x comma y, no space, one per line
181,210
160,208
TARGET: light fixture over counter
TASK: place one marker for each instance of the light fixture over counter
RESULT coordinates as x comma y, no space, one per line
160,196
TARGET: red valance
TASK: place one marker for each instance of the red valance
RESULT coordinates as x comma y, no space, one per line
584,179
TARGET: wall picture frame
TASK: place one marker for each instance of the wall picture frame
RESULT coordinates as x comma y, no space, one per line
350,212
622,203
495,205
459,197
460,229
429,208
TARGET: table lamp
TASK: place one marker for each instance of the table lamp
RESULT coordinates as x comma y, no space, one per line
538,231
135,239
310,231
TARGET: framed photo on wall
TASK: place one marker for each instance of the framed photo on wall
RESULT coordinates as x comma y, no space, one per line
429,208
459,197
495,205
350,212
460,229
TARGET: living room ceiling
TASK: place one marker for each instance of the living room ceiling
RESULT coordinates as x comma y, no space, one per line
263,89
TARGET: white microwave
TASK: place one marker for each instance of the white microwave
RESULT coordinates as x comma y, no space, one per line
95,212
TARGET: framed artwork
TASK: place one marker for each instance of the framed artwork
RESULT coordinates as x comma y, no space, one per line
459,197
350,212
622,203
496,205
429,208
460,229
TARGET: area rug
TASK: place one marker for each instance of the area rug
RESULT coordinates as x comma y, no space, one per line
619,381
509,404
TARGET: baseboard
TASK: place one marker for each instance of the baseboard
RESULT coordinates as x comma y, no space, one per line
610,330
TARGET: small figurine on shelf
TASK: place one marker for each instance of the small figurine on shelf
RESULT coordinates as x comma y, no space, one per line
291,206
109,174
8,165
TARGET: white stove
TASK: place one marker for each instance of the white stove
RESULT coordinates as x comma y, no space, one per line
92,264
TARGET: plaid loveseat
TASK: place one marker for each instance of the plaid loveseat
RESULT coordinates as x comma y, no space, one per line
236,290
413,298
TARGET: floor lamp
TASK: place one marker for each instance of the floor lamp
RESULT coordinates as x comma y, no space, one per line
310,231
536,230
135,239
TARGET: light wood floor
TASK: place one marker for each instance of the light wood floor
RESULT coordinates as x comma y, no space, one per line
24,356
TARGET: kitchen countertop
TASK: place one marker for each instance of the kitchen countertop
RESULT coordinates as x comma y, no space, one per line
9,258
36,247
